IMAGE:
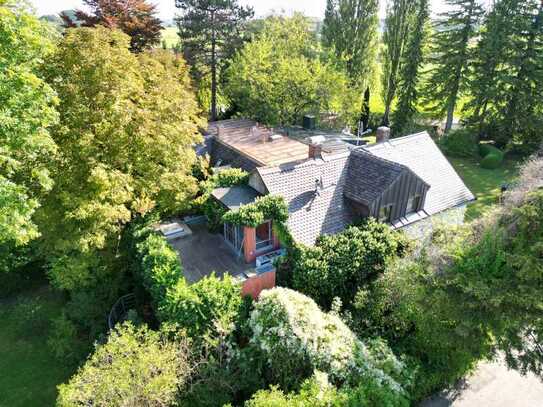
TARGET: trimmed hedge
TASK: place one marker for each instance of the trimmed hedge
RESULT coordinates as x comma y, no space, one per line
459,143
492,156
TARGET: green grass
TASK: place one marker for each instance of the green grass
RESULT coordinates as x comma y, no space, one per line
485,184
29,373
170,37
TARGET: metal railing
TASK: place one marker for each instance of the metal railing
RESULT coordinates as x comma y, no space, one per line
120,309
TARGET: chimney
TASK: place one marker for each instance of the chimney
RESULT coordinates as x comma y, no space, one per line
315,147
383,134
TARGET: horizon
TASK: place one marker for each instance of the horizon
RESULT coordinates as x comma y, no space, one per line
167,9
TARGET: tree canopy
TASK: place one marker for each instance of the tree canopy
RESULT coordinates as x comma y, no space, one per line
210,31
137,18
280,76
126,130
27,112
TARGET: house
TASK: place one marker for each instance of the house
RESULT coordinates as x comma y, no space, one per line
329,183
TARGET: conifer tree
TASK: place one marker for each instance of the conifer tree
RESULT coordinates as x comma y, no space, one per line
506,86
210,31
409,76
329,28
395,38
452,56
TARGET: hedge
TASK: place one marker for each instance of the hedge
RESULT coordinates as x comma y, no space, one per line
492,156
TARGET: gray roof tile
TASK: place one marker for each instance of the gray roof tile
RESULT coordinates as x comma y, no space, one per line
424,158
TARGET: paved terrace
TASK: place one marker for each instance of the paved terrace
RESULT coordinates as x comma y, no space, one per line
202,253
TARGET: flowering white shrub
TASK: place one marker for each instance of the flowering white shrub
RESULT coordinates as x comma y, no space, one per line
298,338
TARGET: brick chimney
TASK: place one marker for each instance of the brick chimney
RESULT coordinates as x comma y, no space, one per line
315,146
383,134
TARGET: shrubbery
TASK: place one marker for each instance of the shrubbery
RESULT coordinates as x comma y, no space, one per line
492,156
339,265
459,143
297,338
135,367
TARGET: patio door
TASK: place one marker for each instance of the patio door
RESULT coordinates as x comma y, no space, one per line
233,234
264,237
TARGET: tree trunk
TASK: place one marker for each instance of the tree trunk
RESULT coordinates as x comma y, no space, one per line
213,74
450,115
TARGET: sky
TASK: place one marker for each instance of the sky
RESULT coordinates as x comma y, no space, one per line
312,8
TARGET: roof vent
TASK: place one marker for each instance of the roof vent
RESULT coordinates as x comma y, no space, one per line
383,134
309,122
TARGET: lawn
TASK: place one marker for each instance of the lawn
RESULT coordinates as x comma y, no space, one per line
29,373
485,184
170,37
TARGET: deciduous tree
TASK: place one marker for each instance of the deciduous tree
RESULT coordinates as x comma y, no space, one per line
351,30
27,111
210,31
398,24
136,367
278,77
127,127
137,18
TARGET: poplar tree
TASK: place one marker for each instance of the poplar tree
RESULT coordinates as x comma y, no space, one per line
452,56
395,38
409,77
351,29
210,32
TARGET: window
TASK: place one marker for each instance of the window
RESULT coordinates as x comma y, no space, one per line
413,204
385,214
233,235
264,236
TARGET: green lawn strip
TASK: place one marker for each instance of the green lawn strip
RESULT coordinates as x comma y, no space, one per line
169,35
29,372
485,184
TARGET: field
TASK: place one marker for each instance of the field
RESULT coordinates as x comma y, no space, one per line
29,372
170,37
485,184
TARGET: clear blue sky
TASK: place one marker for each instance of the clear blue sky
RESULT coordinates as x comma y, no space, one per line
314,8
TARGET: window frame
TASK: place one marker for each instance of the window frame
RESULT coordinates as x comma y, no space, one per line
410,208
387,216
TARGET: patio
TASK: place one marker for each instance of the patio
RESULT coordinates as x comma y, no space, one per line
202,253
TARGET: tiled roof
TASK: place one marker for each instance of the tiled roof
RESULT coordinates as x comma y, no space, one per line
313,191
370,176
424,158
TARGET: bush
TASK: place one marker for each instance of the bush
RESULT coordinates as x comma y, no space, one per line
298,339
492,156
136,367
339,265
200,307
62,340
459,143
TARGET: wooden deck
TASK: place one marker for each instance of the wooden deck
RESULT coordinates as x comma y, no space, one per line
203,253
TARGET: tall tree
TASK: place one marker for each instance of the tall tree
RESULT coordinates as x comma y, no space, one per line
409,76
395,37
278,77
137,18
27,111
352,31
210,31
127,126
452,55
505,86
